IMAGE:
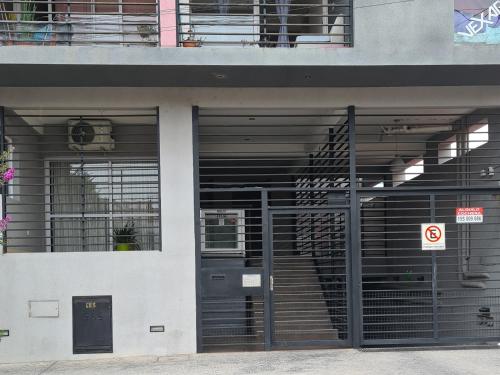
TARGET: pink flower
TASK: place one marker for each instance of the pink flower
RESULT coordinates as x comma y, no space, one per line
9,174
5,222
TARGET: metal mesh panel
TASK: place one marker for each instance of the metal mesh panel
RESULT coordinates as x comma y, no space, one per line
86,180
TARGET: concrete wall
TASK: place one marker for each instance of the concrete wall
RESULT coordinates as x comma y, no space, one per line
155,288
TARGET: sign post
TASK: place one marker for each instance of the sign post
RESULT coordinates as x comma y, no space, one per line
433,236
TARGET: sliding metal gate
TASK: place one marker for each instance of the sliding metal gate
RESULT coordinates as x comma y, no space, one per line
420,166
310,227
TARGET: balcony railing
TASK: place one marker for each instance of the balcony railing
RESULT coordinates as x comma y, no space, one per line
265,23
80,22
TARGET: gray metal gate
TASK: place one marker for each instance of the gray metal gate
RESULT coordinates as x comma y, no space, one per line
272,181
422,166
274,190
308,271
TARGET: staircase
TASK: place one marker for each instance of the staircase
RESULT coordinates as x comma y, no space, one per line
300,311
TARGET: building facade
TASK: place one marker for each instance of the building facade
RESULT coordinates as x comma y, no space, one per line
195,177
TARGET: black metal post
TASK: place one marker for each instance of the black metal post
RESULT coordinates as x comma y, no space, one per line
432,201
355,293
158,167
267,259
197,225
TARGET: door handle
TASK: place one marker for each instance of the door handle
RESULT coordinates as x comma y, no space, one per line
271,283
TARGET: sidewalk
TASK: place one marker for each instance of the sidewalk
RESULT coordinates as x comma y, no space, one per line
343,362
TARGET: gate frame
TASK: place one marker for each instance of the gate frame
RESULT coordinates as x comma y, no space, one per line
353,259
270,344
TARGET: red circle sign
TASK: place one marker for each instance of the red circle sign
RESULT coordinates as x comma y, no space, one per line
433,234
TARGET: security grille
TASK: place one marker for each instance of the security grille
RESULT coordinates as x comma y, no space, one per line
86,180
365,264
253,164
420,166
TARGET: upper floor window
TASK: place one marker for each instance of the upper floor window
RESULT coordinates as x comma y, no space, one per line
270,24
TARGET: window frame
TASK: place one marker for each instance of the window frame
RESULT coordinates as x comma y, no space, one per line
240,233
110,215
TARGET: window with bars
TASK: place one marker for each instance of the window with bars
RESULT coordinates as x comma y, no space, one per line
86,180
91,202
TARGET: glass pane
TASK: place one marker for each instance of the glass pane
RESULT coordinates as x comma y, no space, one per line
135,187
77,234
78,188
221,231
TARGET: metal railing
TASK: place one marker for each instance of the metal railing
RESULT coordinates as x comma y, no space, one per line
265,23
82,22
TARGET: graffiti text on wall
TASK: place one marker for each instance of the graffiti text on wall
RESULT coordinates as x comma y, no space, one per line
477,21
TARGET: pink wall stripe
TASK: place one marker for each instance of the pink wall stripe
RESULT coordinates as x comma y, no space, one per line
168,21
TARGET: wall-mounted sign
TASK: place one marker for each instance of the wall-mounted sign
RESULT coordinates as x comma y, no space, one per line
250,280
433,236
469,215
477,21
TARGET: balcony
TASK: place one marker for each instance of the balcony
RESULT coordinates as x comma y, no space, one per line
80,22
265,23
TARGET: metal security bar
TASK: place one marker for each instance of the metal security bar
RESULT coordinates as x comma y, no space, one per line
416,296
265,23
252,165
86,180
418,166
87,22
427,148
292,173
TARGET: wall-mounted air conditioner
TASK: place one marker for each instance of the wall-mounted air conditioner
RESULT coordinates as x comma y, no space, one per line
90,135
223,232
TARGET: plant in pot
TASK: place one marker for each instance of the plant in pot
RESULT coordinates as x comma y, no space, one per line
191,41
146,31
125,238
26,27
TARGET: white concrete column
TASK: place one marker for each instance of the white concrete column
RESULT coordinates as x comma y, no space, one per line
178,240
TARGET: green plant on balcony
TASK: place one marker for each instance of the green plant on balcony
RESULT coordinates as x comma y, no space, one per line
26,27
146,31
191,40
8,20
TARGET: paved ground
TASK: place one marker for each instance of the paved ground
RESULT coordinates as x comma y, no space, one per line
342,362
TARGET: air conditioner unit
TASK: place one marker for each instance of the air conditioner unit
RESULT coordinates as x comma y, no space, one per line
90,135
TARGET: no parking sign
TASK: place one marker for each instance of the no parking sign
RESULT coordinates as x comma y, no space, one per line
433,236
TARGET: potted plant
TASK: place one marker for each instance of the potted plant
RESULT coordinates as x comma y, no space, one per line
191,41
146,31
125,238
27,27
